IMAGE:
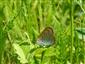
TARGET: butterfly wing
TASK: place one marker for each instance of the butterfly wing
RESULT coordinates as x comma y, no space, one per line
46,38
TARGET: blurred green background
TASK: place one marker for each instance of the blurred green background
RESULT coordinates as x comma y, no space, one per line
21,21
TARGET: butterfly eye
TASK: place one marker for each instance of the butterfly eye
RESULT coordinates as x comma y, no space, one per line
46,37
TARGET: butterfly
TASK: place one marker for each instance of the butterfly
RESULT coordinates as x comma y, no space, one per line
46,37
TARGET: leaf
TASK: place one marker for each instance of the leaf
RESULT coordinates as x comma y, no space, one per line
81,33
3,34
81,30
20,53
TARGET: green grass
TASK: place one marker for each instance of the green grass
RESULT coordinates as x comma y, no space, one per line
21,21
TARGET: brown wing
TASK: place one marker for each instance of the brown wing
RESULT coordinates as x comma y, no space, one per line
47,32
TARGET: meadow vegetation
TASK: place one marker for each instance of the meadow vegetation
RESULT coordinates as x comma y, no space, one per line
21,21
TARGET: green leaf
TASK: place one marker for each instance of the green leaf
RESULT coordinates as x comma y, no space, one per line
3,34
81,30
81,33
20,53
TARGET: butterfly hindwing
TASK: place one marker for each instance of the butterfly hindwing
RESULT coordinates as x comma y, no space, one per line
46,37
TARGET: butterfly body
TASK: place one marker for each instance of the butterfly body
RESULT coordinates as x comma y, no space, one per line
46,37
